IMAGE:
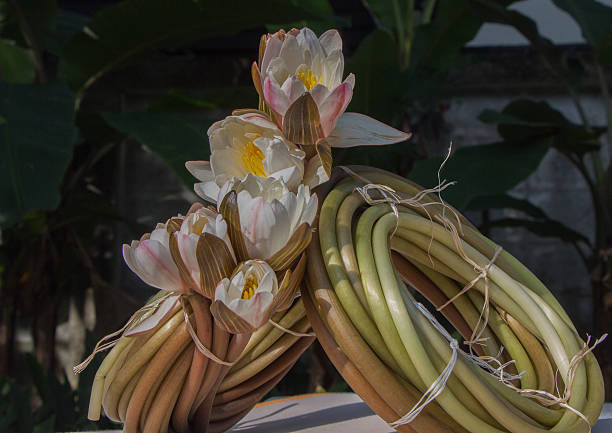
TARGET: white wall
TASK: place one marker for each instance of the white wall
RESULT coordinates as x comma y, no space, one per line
553,23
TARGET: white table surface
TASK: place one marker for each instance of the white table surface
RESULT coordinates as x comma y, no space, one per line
332,413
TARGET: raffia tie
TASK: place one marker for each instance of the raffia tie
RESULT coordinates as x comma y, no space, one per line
203,349
482,274
393,198
436,388
291,332
107,341
548,399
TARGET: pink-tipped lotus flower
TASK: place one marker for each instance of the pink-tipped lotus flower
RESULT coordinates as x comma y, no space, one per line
300,79
245,301
168,258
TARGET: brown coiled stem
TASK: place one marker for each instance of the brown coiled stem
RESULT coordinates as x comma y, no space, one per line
199,363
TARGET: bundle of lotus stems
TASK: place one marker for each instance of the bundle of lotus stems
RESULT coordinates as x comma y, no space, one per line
159,381
382,243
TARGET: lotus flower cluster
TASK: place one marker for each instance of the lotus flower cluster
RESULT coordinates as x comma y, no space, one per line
246,254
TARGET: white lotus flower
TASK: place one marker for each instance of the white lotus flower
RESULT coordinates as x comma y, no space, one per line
249,143
176,269
151,260
298,62
194,226
269,213
244,302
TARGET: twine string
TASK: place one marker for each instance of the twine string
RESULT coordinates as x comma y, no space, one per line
490,364
134,319
438,385
198,344
291,332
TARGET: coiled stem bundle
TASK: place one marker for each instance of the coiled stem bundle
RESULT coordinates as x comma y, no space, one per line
391,352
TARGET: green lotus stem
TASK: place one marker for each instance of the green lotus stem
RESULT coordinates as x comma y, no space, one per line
97,388
501,279
536,332
555,341
345,245
529,378
126,396
180,415
378,262
137,360
275,351
543,368
260,334
375,296
465,307
399,396
152,378
293,315
158,416
219,348
341,282
496,324
531,281
466,272
398,309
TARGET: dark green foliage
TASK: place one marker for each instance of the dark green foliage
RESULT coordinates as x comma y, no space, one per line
37,135
482,170
175,137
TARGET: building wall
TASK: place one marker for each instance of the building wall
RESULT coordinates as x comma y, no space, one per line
556,187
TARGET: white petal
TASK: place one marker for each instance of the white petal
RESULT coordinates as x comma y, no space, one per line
228,162
310,210
281,229
255,310
259,120
187,244
269,283
275,97
333,68
277,70
161,235
293,88
331,41
333,106
308,40
257,219
221,291
273,47
154,319
291,53
152,262
292,176
207,190
319,93
354,129
314,173
201,170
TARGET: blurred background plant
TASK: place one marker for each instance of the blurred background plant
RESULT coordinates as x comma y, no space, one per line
101,102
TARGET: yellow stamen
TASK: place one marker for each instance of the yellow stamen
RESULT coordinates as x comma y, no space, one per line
198,225
308,79
253,158
250,286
